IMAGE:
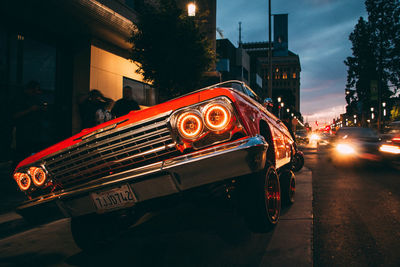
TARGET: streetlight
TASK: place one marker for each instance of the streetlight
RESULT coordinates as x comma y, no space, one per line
355,119
279,99
191,7
384,109
287,110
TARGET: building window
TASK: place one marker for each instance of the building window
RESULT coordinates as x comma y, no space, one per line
284,76
143,93
294,75
276,70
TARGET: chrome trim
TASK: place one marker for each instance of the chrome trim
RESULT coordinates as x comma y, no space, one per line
226,150
146,153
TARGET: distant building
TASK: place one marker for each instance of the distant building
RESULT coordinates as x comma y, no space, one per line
233,63
285,65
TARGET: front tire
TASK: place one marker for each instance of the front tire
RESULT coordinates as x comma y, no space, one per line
261,200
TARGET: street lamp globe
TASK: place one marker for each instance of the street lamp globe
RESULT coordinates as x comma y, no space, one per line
279,99
191,7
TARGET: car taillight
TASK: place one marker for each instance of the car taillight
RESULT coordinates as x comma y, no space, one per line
23,180
217,117
38,176
190,125
396,139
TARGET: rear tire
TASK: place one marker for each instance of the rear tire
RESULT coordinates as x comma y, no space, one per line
297,162
260,200
288,187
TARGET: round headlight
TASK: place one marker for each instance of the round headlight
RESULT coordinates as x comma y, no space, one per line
38,175
23,180
217,117
190,125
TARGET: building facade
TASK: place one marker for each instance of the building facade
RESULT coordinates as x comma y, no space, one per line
285,66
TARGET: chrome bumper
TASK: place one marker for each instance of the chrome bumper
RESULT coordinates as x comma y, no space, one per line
163,178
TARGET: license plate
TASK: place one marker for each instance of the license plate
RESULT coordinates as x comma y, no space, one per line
115,198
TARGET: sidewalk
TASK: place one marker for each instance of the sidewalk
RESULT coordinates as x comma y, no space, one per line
291,243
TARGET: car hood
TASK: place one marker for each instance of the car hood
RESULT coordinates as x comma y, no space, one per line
132,118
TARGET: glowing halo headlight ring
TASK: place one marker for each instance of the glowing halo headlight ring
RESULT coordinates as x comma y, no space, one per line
38,175
189,125
23,180
217,117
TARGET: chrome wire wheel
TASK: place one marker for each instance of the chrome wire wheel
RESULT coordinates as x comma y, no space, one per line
272,197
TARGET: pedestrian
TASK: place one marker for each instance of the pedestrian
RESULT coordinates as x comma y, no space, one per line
29,115
95,109
126,104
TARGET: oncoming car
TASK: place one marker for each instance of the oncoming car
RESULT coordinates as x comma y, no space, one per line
217,137
353,145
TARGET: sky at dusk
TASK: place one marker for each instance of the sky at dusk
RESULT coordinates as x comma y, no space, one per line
318,33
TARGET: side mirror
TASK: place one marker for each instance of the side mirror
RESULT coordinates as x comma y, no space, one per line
268,103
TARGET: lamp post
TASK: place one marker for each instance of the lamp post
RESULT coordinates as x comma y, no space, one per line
269,89
372,113
281,107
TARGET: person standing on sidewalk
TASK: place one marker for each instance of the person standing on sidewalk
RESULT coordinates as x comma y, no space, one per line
126,104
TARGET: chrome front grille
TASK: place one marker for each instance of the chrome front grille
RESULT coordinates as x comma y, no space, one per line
112,152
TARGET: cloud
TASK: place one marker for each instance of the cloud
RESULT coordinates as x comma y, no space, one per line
318,33
325,116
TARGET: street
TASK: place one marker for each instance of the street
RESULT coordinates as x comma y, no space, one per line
356,214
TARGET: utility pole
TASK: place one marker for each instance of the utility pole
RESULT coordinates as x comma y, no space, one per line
240,34
269,89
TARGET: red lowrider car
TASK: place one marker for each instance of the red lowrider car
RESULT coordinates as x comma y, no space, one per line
219,135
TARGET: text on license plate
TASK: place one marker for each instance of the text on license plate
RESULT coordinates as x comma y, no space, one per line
114,198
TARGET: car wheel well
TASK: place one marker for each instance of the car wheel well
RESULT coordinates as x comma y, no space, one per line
265,132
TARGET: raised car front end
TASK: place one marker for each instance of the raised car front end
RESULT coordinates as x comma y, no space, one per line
116,166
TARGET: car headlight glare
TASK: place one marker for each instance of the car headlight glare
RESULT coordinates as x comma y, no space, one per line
345,149
38,175
217,117
190,125
23,180
390,149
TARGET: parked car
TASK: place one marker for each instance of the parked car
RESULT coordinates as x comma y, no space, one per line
353,145
217,136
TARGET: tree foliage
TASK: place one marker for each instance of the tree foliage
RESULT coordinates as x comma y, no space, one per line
171,49
376,52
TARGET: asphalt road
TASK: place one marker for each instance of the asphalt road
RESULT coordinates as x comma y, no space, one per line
356,213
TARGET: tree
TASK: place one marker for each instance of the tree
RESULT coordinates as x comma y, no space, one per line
384,29
362,65
375,62
170,49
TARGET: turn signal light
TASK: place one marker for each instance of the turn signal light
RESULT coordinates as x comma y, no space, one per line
38,175
217,117
23,180
190,125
